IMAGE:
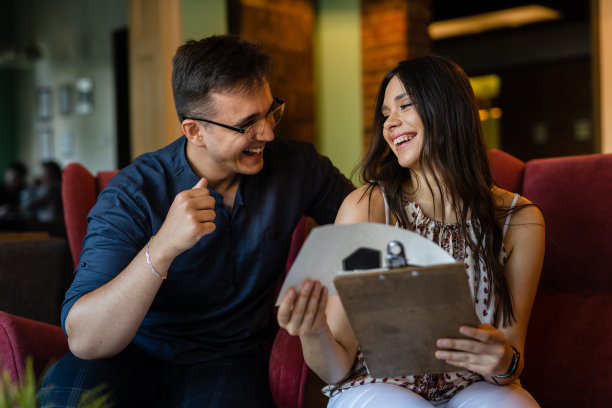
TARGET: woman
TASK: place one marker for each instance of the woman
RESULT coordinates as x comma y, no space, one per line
426,169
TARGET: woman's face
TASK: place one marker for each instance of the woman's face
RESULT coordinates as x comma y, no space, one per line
402,127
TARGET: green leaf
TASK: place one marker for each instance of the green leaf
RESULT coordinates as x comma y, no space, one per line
14,395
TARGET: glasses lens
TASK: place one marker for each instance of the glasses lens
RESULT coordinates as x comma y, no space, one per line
275,116
255,129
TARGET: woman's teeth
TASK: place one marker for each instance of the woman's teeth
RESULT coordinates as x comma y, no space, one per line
257,150
402,139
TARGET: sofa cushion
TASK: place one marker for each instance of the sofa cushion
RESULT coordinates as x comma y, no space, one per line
288,371
569,349
575,196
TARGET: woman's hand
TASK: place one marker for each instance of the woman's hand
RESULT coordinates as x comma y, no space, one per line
485,352
303,314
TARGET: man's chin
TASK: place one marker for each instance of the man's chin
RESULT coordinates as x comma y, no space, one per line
251,168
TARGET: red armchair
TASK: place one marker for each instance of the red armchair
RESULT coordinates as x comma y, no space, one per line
80,191
21,338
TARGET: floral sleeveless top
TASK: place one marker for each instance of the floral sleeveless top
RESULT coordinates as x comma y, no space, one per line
437,387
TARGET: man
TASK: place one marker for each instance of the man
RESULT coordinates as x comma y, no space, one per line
172,300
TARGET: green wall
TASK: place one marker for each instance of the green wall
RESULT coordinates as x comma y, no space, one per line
8,115
338,82
8,95
203,18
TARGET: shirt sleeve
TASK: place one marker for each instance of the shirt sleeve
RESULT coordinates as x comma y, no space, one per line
118,228
328,188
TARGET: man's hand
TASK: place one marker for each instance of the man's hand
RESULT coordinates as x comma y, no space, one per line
191,216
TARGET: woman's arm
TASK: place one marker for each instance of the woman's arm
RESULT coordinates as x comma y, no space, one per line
327,338
490,353
524,243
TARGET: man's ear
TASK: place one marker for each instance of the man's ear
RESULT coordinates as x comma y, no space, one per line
192,130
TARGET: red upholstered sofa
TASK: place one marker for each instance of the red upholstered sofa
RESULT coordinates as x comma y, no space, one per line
569,342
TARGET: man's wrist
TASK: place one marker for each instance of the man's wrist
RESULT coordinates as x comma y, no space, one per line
150,263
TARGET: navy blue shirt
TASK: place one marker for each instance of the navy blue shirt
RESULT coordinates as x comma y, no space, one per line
218,298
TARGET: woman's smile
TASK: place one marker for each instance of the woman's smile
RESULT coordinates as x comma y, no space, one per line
401,140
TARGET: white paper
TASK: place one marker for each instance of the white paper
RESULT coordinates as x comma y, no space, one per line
325,247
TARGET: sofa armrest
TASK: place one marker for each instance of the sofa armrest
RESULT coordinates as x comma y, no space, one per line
21,337
288,371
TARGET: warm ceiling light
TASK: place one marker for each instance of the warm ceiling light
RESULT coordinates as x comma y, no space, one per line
512,17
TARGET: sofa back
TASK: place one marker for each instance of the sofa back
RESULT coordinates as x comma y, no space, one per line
507,170
80,191
575,196
569,339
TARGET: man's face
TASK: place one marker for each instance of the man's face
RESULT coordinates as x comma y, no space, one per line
231,152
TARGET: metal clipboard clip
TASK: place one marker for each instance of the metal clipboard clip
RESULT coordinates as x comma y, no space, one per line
396,257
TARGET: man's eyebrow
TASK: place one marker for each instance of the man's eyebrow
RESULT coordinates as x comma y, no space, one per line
251,117
246,120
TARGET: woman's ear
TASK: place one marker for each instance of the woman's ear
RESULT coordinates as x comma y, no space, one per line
191,130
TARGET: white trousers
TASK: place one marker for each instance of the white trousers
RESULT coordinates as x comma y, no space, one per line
478,395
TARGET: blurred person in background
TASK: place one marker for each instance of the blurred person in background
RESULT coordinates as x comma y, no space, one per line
43,201
12,187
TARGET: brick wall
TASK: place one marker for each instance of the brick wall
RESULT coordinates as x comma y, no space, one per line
392,30
285,28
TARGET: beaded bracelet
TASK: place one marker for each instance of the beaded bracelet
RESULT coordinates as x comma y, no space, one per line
150,264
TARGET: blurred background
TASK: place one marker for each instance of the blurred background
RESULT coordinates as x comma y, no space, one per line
89,81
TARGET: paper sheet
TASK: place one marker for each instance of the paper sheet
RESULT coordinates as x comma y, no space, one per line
321,255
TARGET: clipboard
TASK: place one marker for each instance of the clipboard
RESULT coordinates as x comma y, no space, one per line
398,314
326,246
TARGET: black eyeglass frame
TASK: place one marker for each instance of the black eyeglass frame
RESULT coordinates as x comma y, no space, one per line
280,104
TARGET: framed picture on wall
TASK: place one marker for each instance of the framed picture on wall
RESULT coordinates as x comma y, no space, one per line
45,143
65,99
43,103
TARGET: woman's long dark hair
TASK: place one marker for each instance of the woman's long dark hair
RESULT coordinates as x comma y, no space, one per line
453,153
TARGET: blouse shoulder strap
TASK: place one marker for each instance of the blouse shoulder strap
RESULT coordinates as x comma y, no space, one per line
382,190
514,200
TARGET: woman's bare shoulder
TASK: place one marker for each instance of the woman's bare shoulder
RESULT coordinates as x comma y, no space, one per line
365,204
527,212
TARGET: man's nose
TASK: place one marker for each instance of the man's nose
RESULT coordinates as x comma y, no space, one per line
267,132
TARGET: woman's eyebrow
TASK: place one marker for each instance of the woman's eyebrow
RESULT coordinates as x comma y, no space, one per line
397,98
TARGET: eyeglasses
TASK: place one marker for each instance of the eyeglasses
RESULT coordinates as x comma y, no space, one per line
273,116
